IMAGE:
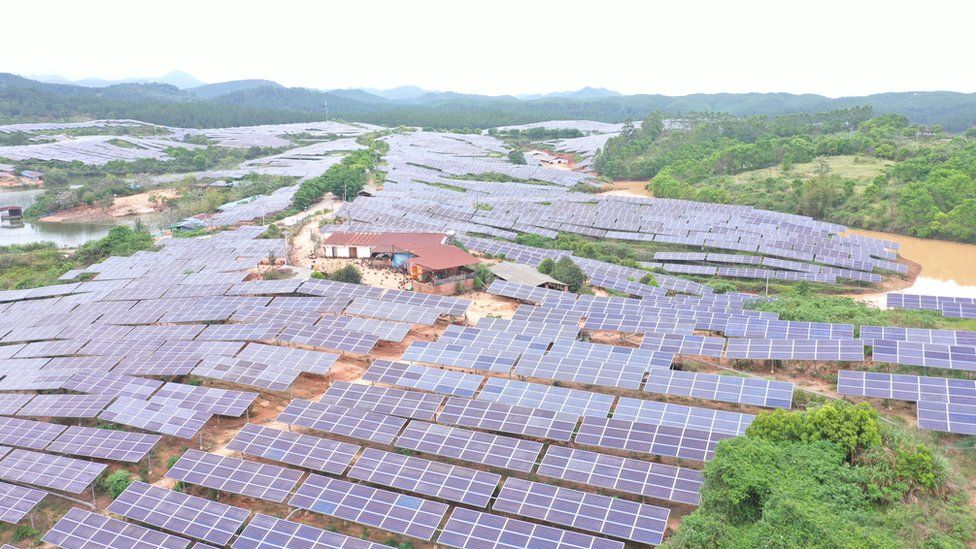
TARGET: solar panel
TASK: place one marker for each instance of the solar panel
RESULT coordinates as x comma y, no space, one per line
328,338
605,515
261,331
267,532
684,344
81,406
546,397
631,476
28,433
339,420
470,529
159,418
11,402
390,511
225,402
906,387
257,480
236,370
580,371
678,415
180,513
519,420
63,347
542,330
17,501
487,339
394,402
35,380
611,355
423,378
112,384
460,356
330,304
493,450
443,304
316,453
383,329
314,362
80,529
157,364
104,443
635,436
540,314
796,349
55,472
388,310
945,417
742,390
414,474
869,334
764,328
930,355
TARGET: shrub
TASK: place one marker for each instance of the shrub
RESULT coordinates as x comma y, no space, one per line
117,482
23,532
853,427
483,277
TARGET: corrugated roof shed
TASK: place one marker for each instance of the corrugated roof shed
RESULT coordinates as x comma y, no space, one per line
522,274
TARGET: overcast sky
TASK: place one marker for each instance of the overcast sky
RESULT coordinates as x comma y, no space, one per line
834,48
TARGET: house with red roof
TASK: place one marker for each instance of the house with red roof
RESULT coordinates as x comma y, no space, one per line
433,263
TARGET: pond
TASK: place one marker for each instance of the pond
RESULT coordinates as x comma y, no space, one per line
948,268
62,234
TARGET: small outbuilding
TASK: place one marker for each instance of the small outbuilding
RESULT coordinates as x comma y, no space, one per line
519,273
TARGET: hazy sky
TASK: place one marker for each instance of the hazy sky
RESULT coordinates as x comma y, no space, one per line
849,47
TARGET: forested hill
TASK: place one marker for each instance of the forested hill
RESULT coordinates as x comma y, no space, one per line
262,101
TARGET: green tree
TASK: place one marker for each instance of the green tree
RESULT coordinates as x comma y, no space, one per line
569,273
817,196
483,277
516,156
349,274
546,265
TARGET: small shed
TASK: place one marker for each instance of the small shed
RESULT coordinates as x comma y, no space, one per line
519,273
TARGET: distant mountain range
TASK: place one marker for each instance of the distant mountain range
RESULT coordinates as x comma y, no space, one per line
178,79
179,99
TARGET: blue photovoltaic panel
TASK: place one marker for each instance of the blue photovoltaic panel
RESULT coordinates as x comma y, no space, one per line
494,450
504,418
598,513
267,532
310,452
184,514
580,371
424,378
948,418
678,415
684,344
870,334
339,420
631,476
400,513
460,356
906,387
470,529
634,436
930,355
389,401
763,328
741,390
617,356
850,350
546,397
248,478
431,478
80,529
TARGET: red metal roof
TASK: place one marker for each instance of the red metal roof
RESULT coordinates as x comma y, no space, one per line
428,248
385,242
441,257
